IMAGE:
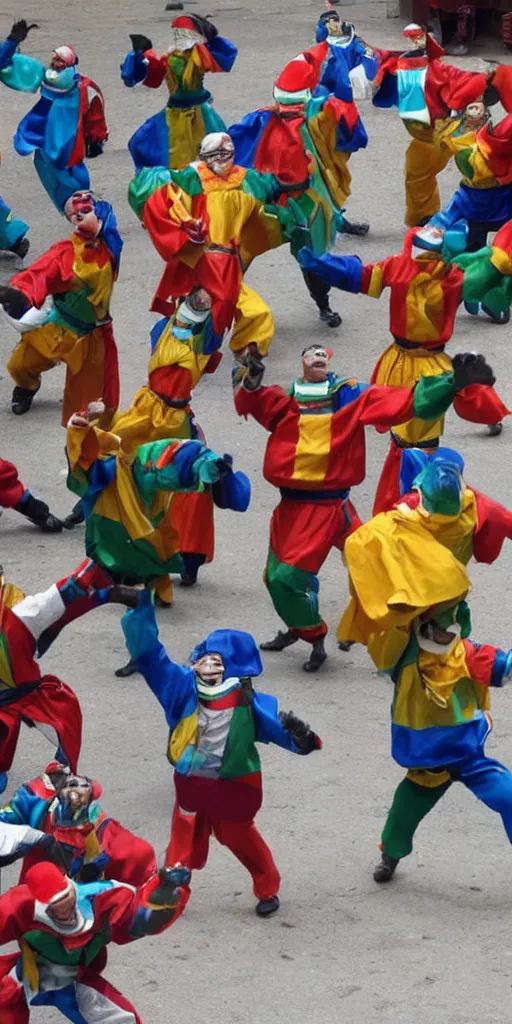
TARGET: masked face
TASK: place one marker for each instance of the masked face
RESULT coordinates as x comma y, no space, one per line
74,796
63,910
210,669
60,75
435,638
475,114
221,160
80,212
315,364
427,243
194,309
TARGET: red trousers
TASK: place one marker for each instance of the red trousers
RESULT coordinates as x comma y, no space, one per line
55,711
190,840
11,488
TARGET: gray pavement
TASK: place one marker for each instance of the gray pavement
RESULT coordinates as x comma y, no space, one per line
435,945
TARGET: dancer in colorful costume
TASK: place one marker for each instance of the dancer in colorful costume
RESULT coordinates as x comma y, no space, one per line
28,624
315,454
426,92
412,618
14,494
299,136
208,222
61,307
63,929
426,291
215,719
172,137
348,66
183,348
129,535
68,122
57,816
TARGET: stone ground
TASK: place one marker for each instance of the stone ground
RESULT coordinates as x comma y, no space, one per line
435,944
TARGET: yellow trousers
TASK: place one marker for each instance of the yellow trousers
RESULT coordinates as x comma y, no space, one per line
253,322
403,368
423,162
84,357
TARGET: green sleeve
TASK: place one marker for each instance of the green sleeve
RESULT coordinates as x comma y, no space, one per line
144,184
264,187
433,396
187,179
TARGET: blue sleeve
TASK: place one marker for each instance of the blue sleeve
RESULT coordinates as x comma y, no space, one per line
21,73
370,65
134,68
173,685
343,272
336,80
224,52
268,726
246,135
7,51
24,808
502,668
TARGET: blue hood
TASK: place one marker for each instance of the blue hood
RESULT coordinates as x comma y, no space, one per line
237,649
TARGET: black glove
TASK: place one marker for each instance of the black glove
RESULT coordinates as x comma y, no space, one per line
255,371
20,31
57,853
471,368
14,300
303,737
225,464
204,26
93,149
89,872
141,43
166,893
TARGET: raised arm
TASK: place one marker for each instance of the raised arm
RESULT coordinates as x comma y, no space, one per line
282,727
51,274
348,272
150,909
173,685
142,65
17,71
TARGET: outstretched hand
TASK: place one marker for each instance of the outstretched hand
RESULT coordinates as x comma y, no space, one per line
20,30
471,368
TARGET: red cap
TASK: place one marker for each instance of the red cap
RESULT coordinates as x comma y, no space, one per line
67,54
184,22
46,881
298,75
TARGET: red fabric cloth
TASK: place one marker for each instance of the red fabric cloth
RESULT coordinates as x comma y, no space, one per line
54,707
346,465
157,69
503,83
226,799
449,88
189,845
388,487
503,238
398,274
281,149
480,403
11,487
192,518
51,274
302,533
480,659
494,526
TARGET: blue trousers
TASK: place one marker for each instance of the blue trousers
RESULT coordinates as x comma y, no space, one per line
489,780
12,229
60,183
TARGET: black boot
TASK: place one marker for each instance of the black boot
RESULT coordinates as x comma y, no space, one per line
21,247
267,907
501,318
358,229
191,565
345,645
130,669
495,429
385,869
75,517
330,317
280,641
38,513
22,399
317,656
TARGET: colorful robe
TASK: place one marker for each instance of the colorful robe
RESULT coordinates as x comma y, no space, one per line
79,277
238,228
172,137
125,500
108,912
101,845
220,777
478,532
488,273
314,138
60,126
484,160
